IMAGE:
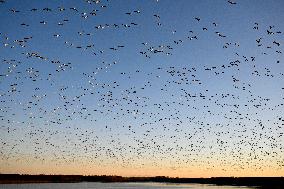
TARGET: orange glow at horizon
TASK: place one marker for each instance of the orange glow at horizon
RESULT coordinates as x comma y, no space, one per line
146,170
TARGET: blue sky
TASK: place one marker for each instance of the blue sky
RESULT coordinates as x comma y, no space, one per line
174,97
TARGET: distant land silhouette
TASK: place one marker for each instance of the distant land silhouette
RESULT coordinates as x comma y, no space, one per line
258,182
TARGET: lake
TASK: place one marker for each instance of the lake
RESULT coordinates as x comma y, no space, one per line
97,185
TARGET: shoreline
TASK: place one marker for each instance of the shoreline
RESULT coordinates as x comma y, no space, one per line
255,182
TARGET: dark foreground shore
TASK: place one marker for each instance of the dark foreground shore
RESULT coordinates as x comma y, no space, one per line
258,182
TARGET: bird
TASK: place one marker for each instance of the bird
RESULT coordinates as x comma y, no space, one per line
47,9
197,18
232,2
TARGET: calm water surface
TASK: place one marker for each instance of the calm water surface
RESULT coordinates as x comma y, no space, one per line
95,185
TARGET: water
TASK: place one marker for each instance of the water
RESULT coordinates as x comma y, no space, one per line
96,185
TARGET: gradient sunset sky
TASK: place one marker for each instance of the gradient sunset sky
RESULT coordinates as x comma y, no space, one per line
187,88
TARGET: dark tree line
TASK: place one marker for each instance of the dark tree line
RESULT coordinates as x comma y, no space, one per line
262,182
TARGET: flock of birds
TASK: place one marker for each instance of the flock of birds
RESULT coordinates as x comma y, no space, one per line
106,110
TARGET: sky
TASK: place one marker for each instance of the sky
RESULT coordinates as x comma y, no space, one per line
142,88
